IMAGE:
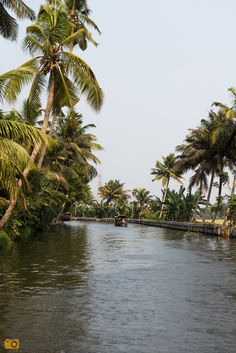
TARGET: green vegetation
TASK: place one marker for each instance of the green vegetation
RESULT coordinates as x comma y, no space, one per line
8,24
208,152
48,156
43,176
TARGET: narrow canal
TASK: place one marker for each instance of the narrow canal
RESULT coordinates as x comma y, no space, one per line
96,288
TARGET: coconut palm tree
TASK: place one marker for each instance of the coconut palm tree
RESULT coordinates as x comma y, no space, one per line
79,12
8,24
74,152
199,178
211,147
14,159
142,197
53,66
111,192
78,15
165,171
63,73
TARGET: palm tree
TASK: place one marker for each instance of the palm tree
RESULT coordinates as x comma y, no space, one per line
211,146
8,24
142,197
52,67
164,171
77,12
199,178
223,144
112,191
198,152
62,72
14,159
74,152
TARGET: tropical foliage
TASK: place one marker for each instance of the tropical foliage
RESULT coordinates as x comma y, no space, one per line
164,171
8,24
48,156
40,184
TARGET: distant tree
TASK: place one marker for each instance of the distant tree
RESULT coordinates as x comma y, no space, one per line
180,207
142,198
113,194
165,171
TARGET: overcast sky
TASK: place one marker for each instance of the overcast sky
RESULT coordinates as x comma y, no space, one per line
161,65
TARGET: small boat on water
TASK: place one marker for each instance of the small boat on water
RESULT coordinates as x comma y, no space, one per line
121,221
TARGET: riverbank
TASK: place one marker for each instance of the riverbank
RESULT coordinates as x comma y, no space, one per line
204,228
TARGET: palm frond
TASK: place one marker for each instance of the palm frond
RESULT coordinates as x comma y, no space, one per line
12,130
85,80
65,95
12,82
8,25
37,86
91,23
19,8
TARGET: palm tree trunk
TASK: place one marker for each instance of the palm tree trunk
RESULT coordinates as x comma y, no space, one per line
46,116
141,212
209,194
60,213
8,213
234,184
164,197
36,149
198,199
232,194
218,200
44,149
132,210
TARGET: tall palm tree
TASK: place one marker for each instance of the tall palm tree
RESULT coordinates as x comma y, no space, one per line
8,24
165,171
78,16
53,66
199,178
211,146
222,129
63,73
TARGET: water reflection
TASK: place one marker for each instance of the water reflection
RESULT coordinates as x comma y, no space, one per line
95,288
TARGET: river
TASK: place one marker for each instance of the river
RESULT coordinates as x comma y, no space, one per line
96,288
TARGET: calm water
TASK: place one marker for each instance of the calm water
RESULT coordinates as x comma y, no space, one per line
96,288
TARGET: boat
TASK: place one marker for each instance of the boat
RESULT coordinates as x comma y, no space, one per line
121,221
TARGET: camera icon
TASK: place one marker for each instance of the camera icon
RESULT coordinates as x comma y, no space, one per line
11,343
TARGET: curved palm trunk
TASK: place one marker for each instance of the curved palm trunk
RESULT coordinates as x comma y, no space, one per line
164,197
13,201
8,212
209,194
44,149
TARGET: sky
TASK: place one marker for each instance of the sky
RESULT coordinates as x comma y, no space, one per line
161,64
